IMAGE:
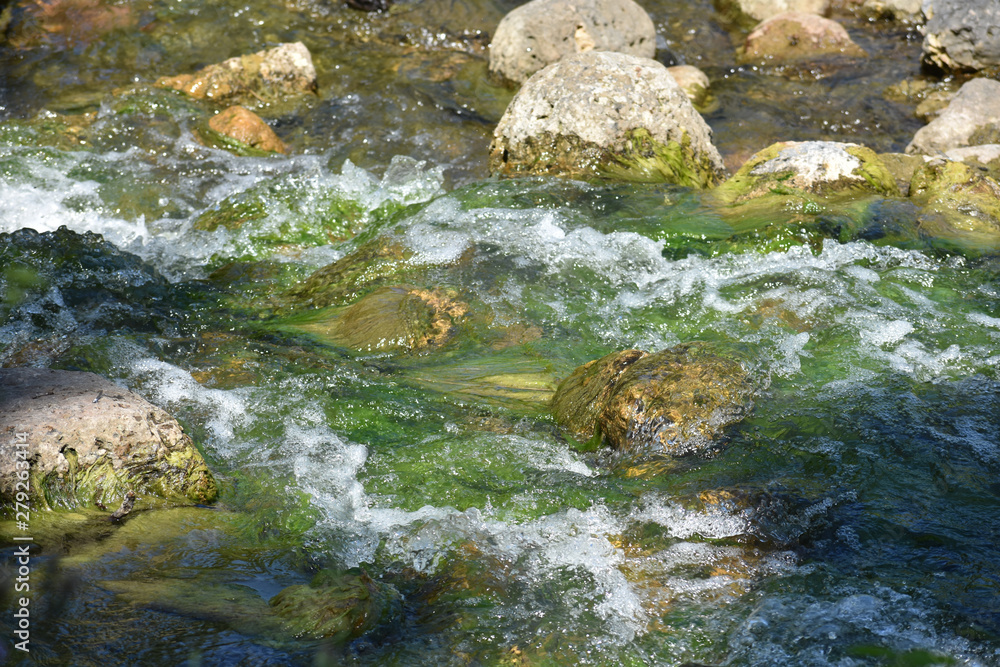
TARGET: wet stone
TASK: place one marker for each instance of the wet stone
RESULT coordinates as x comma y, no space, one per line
542,32
962,35
91,442
244,126
972,117
798,37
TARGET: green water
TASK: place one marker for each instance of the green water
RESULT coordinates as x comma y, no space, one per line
851,519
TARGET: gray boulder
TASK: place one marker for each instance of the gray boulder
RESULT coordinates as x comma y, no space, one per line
962,35
75,439
603,114
971,118
542,31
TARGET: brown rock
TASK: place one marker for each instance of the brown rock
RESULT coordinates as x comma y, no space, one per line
87,440
284,70
248,128
796,37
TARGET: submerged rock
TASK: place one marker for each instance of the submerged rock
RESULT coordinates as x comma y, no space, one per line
611,115
972,117
286,69
908,11
542,32
694,83
797,37
88,441
337,608
962,35
823,168
391,319
960,206
675,401
247,129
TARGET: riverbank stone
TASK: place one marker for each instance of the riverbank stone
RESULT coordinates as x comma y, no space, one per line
962,35
796,37
89,442
905,11
972,117
676,401
695,85
272,74
606,115
541,32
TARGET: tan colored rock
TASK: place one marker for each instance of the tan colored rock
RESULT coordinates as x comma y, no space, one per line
610,115
248,128
761,10
88,441
286,69
797,37
542,32
692,81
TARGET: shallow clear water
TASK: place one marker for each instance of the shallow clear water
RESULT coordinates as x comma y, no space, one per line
850,520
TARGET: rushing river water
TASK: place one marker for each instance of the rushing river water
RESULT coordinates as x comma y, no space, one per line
852,519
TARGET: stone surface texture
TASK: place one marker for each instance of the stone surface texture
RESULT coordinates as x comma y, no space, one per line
582,115
90,441
286,69
542,32
795,37
962,35
971,118
245,126
761,10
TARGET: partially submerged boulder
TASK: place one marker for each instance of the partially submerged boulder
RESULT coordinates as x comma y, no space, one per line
247,129
391,319
796,37
88,441
694,83
906,11
611,115
807,168
962,35
337,607
542,32
285,70
675,401
960,206
972,117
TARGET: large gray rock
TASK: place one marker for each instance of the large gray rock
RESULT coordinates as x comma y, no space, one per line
607,115
87,440
972,117
962,35
542,31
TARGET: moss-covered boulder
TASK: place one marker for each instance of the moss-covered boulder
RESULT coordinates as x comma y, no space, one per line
960,206
75,439
397,318
808,169
675,401
337,607
606,115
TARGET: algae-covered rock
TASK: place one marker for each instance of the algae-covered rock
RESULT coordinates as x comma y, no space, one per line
581,397
78,439
797,37
902,167
985,157
807,169
961,206
285,70
390,319
248,130
541,32
337,607
674,401
603,114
